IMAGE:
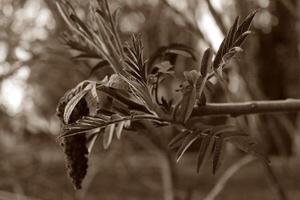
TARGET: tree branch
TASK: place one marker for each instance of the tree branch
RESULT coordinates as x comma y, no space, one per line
217,17
245,108
275,183
11,72
191,26
290,7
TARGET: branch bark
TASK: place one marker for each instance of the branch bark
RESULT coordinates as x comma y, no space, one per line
245,108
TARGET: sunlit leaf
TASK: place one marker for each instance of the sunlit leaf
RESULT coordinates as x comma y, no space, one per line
245,25
235,38
119,129
108,135
91,141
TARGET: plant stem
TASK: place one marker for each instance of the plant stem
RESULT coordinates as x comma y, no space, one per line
219,186
190,25
275,183
168,172
245,108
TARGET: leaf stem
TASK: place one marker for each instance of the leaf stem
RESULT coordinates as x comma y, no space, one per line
114,29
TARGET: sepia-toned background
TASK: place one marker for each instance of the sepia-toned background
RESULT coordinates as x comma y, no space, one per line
36,69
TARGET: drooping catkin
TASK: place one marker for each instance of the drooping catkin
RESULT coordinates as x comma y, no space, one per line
76,158
74,147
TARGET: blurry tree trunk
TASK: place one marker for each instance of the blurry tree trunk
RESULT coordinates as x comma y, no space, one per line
278,56
273,70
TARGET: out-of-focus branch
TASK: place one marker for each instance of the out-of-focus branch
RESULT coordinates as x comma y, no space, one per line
275,183
219,186
251,107
12,71
154,144
290,7
8,195
217,17
192,27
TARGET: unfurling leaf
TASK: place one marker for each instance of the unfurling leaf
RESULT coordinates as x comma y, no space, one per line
245,25
235,38
206,62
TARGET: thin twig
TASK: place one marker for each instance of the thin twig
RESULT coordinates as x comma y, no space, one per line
291,8
193,29
167,163
168,176
13,69
219,186
114,29
275,183
4,195
217,17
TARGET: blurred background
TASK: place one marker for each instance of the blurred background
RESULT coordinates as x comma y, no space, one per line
36,69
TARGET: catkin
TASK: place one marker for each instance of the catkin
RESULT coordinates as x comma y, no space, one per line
74,146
